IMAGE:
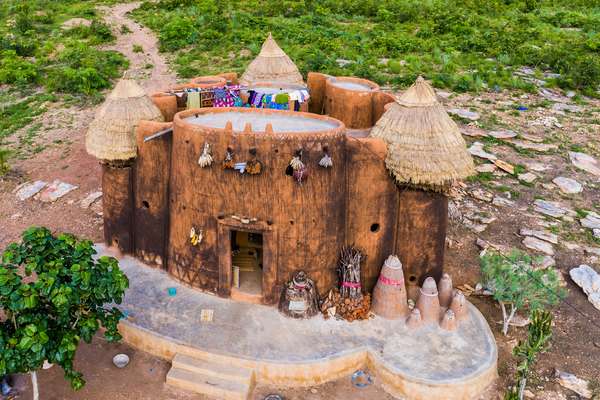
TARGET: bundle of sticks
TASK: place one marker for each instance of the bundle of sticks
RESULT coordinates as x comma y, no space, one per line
348,270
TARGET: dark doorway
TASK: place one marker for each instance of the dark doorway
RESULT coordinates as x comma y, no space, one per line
247,262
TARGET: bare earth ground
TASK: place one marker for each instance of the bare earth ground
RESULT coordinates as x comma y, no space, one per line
575,344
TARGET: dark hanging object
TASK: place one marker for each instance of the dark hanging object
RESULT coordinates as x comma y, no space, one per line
299,298
326,161
298,168
348,270
228,162
253,166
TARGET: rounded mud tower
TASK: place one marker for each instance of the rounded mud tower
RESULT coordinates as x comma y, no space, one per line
208,82
245,183
351,101
166,103
389,295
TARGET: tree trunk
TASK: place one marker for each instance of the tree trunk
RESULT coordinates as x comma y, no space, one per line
522,385
507,318
34,383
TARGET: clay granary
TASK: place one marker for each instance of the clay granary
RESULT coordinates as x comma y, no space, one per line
233,185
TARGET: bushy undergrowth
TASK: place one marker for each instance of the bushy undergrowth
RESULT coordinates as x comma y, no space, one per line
465,45
36,50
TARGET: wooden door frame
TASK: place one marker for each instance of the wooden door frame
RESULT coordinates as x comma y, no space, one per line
269,257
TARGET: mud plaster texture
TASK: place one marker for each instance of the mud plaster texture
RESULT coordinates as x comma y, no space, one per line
428,356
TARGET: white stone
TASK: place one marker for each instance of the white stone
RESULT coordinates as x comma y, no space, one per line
29,190
501,201
596,232
552,209
466,114
485,168
538,245
476,149
541,147
548,262
75,22
527,177
538,167
546,236
503,134
571,382
55,191
591,220
567,185
482,195
595,251
585,162
566,107
90,199
572,246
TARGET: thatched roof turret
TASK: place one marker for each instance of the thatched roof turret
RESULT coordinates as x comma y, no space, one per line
425,147
110,136
271,65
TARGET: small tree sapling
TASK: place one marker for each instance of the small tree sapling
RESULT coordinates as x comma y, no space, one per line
53,294
515,282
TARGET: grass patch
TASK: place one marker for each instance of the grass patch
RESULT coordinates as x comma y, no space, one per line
458,44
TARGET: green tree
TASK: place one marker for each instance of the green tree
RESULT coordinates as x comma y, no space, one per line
53,293
517,282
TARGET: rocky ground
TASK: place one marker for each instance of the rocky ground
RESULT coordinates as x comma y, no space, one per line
537,190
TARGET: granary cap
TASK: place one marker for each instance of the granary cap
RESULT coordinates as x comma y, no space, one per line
111,135
271,65
425,147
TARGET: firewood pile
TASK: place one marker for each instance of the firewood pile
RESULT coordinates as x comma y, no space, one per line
335,306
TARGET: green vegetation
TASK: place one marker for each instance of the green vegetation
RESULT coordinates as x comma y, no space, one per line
36,50
4,166
137,48
538,336
53,295
465,45
515,282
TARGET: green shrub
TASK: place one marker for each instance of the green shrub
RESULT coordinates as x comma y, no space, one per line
516,283
14,69
4,166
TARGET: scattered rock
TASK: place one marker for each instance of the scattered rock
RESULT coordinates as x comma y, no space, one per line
463,113
591,220
473,131
538,167
547,262
547,122
75,22
538,245
567,185
595,251
503,165
585,162
476,149
342,63
503,134
55,191
546,236
551,396
571,382
90,199
527,177
474,226
30,189
485,168
245,53
482,195
552,209
443,94
566,107
532,138
501,201
541,147
572,246
552,95
596,232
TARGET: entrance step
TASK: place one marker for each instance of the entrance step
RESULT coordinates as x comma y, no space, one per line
217,380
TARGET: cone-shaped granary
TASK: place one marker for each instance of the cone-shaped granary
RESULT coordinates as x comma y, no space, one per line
425,147
271,65
110,136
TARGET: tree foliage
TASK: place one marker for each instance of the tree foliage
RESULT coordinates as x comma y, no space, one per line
53,293
516,281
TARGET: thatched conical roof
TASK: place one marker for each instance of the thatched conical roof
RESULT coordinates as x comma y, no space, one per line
271,65
111,135
425,147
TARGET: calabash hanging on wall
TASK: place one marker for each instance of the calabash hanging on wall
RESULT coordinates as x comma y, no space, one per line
205,158
228,162
253,166
196,236
326,161
297,168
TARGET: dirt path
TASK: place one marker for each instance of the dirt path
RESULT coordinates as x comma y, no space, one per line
147,65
